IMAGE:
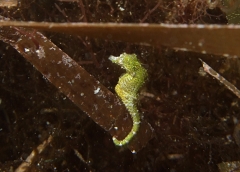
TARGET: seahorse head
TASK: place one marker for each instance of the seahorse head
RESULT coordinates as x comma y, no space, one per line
129,62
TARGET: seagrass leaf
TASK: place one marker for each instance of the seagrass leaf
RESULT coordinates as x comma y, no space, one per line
211,39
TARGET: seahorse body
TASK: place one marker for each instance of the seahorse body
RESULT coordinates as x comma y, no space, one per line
127,89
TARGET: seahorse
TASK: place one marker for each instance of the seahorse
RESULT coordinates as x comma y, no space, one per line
127,89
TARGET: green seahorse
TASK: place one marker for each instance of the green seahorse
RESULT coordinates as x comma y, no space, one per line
128,88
